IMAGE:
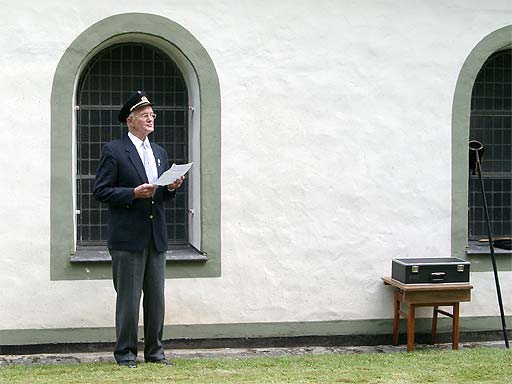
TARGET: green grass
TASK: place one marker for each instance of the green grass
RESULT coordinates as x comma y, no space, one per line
481,365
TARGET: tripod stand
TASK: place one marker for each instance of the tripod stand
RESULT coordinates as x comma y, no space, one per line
476,151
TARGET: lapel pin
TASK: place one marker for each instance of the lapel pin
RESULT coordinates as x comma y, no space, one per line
158,162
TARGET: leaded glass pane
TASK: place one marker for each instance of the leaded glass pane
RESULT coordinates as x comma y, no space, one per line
491,124
110,79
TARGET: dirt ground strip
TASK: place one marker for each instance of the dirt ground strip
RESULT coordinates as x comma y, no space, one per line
96,357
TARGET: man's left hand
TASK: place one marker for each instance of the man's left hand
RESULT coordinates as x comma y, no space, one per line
177,183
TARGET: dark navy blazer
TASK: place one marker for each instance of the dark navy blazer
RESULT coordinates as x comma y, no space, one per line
131,221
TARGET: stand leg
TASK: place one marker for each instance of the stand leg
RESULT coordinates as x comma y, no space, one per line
396,317
410,328
455,341
434,325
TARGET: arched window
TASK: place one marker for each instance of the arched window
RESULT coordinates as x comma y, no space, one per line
99,70
491,124
465,120
109,79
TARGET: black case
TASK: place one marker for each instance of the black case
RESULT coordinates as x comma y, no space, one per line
429,270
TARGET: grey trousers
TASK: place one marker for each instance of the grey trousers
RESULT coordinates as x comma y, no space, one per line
134,273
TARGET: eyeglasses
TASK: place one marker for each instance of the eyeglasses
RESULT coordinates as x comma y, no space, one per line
146,116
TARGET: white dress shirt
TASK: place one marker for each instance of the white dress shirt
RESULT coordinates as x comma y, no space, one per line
138,145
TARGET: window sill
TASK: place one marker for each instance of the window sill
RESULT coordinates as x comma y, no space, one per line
476,248
100,254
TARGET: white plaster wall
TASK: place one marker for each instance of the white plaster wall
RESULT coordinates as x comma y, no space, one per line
336,134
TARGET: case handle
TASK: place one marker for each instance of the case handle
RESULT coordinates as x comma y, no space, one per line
437,277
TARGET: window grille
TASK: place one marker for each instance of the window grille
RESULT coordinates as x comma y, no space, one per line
491,124
109,80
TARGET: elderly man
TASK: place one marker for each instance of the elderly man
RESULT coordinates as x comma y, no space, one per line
137,238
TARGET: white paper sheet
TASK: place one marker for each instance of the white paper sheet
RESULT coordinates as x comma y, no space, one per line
175,172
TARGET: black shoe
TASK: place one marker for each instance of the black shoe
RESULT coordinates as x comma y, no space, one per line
162,362
127,363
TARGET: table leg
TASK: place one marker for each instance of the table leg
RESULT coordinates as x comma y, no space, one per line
455,341
410,328
396,317
434,324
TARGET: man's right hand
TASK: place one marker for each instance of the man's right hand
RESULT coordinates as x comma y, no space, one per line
144,191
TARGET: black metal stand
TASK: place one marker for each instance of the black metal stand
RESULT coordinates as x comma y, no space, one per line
477,147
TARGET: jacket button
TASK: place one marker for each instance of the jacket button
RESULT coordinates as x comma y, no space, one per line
150,216
152,201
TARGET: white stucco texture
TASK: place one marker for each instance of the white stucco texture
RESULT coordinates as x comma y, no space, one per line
336,155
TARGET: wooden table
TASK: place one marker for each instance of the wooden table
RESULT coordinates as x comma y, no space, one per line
427,295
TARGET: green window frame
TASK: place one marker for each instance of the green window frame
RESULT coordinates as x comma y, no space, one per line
203,84
461,112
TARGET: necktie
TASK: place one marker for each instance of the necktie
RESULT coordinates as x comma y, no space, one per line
147,164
